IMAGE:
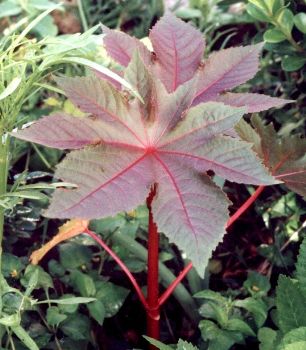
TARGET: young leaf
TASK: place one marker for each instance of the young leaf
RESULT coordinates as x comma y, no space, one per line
285,157
121,46
164,141
179,49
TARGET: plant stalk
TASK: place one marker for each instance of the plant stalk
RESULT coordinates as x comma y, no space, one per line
153,311
4,165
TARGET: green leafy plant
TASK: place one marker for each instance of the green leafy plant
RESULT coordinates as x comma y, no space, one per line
282,22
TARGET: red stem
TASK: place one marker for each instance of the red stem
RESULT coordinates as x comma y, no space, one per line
231,220
245,206
174,284
121,264
153,311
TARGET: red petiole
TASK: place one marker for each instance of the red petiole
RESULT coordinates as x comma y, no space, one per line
153,302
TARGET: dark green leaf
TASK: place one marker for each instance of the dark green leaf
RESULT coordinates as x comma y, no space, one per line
274,36
97,311
76,326
293,63
290,304
54,317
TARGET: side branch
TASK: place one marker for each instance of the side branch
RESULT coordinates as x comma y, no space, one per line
121,264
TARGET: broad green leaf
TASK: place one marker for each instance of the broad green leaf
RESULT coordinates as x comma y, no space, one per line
299,345
300,22
274,36
301,267
294,336
290,305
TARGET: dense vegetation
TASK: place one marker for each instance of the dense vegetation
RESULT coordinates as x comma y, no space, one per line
70,293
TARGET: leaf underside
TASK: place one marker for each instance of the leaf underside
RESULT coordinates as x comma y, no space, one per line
285,157
123,146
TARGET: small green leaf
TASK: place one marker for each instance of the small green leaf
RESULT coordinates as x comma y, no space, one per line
257,13
274,36
10,320
235,324
285,20
268,338
157,343
83,283
97,311
54,317
257,284
300,22
9,8
293,63
183,345
44,279
11,265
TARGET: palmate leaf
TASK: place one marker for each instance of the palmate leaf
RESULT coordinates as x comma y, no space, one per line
178,52
285,157
126,147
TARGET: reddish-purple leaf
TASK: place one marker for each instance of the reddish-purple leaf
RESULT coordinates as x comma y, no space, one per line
285,157
121,46
198,209
163,141
63,131
253,102
109,180
225,70
179,49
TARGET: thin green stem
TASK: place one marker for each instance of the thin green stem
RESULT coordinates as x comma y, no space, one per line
4,164
82,15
